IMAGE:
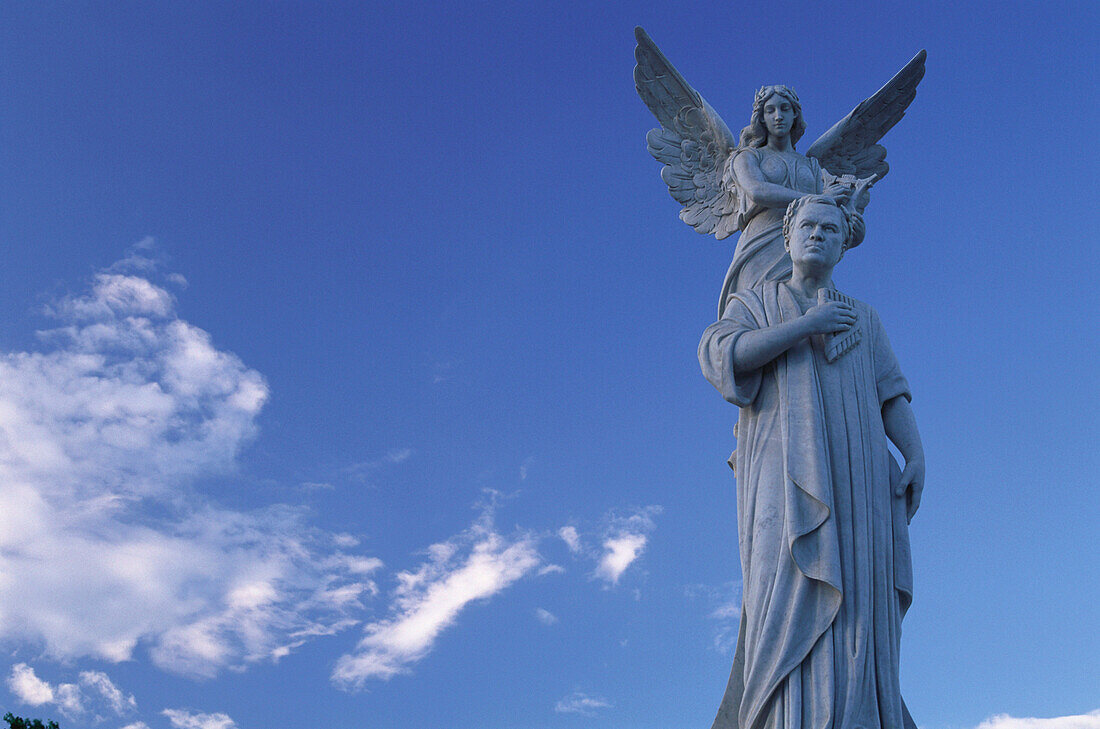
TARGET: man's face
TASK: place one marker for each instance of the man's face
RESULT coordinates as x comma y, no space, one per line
817,237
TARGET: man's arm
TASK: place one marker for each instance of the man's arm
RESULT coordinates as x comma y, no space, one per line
760,346
901,429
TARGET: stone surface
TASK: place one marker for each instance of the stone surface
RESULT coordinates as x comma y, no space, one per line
727,185
823,508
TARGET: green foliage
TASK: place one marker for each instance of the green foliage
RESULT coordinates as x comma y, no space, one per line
18,722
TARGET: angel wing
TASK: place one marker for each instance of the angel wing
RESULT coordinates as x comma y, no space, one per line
693,142
851,146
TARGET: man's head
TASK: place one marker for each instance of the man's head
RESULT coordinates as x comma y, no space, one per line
816,231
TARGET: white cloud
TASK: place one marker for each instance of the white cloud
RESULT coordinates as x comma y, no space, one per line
571,538
624,541
93,692
137,725
116,295
581,703
1090,720
399,455
101,683
619,552
364,471
545,617
723,604
181,719
28,687
474,565
104,544
70,700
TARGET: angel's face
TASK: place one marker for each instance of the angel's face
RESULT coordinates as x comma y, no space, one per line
778,116
817,237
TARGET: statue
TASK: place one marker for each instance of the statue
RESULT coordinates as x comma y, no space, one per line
823,509
727,186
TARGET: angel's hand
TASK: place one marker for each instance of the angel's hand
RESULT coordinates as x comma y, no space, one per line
840,189
862,193
863,198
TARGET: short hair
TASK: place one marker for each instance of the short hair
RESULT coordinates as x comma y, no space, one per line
845,214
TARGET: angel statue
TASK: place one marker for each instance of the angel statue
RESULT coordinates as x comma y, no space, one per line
822,506
726,185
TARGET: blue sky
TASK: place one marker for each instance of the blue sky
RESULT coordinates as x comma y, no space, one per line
349,368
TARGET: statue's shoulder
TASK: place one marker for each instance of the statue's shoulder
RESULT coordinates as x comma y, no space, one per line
754,153
752,299
761,292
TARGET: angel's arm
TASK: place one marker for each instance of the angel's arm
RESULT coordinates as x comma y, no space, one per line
751,182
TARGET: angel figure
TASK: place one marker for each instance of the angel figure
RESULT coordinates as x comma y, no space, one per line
726,185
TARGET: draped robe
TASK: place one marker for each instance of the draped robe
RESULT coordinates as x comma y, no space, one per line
824,544
761,254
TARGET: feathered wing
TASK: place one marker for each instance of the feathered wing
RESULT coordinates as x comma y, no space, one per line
693,142
851,146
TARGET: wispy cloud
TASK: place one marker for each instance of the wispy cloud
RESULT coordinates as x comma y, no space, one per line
103,431
474,565
182,719
364,471
442,372
100,683
571,538
346,541
399,455
581,703
723,604
624,541
93,692
545,617
1090,720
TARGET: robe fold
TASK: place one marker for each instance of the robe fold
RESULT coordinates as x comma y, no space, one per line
824,543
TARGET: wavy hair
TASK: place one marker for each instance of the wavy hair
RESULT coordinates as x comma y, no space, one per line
756,133
853,221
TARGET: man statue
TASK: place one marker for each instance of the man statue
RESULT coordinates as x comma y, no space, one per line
822,507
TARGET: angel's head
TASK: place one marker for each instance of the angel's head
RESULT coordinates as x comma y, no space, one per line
783,102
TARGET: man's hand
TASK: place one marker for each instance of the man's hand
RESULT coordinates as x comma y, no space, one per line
911,485
829,317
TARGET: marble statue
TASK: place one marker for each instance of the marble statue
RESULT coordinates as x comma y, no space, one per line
726,185
823,509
